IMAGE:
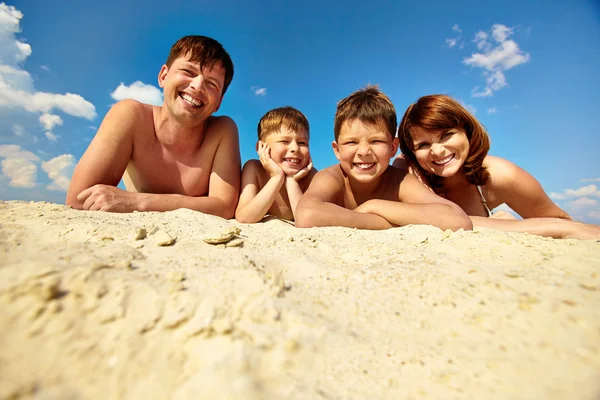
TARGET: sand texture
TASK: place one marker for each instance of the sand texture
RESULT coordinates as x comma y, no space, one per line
139,306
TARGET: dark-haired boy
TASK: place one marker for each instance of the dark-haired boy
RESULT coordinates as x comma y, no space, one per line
364,191
275,182
174,156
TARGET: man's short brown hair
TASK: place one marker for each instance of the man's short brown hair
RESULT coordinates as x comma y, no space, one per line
273,121
206,52
369,105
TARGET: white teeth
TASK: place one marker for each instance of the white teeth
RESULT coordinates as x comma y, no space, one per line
444,160
292,160
364,166
190,100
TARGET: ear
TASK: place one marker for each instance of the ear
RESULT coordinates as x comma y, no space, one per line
257,143
336,150
219,105
394,146
162,75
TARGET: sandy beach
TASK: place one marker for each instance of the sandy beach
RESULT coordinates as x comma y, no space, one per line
139,306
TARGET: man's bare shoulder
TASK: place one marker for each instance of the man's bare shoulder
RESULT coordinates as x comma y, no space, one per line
222,126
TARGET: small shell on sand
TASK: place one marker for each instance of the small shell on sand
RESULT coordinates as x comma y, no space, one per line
224,236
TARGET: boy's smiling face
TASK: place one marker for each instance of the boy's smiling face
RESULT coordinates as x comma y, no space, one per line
289,149
364,150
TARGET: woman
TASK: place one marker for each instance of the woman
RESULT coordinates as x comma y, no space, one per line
446,147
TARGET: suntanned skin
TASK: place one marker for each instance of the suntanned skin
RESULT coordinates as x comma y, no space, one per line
280,201
376,197
508,184
274,183
170,157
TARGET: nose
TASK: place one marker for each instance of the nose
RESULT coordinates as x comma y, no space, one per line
437,149
293,146
197,82
364,149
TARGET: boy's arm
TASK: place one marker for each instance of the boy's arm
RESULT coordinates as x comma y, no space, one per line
255,203
317,206
222,192
292,185
418,206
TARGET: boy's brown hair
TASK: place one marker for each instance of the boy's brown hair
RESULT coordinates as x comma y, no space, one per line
206,52
369,105
438,112
273,121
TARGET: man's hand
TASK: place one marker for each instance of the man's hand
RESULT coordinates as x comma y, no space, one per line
109,198
270,166
303,172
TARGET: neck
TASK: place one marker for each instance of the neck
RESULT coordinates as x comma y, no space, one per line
178,135
456,181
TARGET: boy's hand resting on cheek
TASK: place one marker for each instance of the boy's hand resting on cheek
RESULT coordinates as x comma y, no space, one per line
270,166
303,172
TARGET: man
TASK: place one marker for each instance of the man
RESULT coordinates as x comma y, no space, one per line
174,156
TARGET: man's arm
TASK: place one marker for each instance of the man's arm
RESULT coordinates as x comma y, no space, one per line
108,154
317,206
92,187
521,191
418,206
255,203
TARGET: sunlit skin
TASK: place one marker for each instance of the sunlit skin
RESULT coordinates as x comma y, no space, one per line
274,183
172,156
288,149
365,192
441,152
364,151
444,152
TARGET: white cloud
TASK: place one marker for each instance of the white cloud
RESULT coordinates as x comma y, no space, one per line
18,95
51,136
19,165
49,121
495,58
45,67
590,180
259,91
582,202
18,130
458,38
585,191
139,91
594,214
492,110
59,170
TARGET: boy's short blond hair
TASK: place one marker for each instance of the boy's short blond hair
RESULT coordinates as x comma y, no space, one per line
369,105
273,120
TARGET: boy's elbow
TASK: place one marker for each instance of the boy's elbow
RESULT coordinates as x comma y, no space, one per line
305,217
462,220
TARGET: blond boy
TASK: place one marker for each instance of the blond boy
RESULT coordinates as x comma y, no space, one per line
274,183
174,156
364,191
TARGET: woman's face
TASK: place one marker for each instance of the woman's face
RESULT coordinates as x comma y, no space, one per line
442,152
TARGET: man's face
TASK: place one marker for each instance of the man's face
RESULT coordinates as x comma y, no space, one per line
192,93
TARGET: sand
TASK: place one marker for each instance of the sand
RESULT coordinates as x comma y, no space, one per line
138,306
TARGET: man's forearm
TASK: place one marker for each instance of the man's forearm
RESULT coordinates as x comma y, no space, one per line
549,227
168,202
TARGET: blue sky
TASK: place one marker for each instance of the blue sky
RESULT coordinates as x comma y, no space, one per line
528,70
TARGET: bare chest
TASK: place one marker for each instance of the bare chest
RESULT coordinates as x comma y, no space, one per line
153,169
